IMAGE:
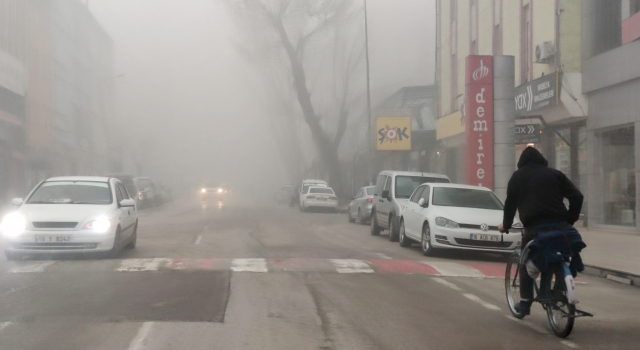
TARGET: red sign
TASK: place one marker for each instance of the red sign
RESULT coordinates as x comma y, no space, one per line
479,121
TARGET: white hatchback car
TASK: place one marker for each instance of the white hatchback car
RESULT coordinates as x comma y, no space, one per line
319,197
72,215
453,216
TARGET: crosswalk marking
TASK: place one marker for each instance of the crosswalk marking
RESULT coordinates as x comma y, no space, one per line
351,266
261,265
249,265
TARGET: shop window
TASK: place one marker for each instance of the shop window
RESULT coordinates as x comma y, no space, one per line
618,170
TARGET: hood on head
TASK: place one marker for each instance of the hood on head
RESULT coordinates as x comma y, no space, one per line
530,156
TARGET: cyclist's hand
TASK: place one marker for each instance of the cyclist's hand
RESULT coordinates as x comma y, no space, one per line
501,228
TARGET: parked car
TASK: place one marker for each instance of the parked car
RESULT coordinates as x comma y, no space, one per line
360,207
283,194
452,216
148,193
393,189
319,197
72,215
304,188
129,184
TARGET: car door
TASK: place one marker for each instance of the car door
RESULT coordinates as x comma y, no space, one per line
410,215
120,212
423,211
385,205
378,195
353,206
129,213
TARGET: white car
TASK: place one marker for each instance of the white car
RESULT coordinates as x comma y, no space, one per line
304,188
453,216
72,215
319,197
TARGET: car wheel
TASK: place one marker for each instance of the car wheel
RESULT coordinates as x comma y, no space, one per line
116,246
375,229
134,237
427,248
351,218
393,228
12,256
404,241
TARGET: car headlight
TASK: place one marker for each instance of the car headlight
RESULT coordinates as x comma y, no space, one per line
13,224
219,190
444,222
140,196
204,190
101,225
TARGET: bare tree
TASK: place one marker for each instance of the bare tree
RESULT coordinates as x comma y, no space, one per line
312,39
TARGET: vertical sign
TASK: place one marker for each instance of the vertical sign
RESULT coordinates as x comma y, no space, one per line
479,121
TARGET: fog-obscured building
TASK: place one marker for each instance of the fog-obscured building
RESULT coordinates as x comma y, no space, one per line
56,94
611,48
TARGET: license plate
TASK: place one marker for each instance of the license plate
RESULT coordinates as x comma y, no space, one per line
48,239
322,199
481,237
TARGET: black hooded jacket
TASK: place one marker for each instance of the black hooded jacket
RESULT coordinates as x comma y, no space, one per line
538,192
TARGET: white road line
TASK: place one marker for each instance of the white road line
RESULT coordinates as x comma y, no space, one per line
528,324
569,344
384,256
447,283
4,325
351,266
249,265
138,342
198,240
135,265
452,269
481,302
32,267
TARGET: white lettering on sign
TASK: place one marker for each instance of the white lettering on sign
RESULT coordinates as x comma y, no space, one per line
480,125
480,144
544,85
480,156
480,175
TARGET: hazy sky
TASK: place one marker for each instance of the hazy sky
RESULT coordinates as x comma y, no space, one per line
185,92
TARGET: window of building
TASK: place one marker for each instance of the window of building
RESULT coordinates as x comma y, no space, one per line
619,181
473,28
607,25
454,55
497,27
525,44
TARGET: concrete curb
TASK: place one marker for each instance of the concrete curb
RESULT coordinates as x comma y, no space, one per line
613,275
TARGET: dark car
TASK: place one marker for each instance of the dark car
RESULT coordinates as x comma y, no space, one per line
148,192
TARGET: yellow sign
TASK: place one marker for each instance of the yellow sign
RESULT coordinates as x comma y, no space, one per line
449,125
393,133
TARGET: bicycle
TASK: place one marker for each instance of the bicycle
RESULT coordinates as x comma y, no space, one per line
556,293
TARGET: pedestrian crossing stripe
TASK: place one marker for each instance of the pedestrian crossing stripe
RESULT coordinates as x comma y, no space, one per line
260,265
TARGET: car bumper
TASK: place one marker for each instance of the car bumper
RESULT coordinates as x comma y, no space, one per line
79,242
461,239
320,204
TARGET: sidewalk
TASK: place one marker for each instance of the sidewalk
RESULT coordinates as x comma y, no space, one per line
612,255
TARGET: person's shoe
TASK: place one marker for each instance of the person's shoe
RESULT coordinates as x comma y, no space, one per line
523,307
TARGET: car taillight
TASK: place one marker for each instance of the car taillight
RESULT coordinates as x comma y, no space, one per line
369,200
333,197
311,197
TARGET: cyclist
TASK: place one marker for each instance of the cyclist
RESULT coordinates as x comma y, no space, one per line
537,192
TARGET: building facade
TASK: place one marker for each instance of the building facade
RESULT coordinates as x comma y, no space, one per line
56,94
544,37
610,50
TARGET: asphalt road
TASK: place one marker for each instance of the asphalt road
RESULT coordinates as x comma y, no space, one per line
236,275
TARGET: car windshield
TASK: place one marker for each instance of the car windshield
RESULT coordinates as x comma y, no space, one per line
143,184
321,190
405,185
466,198
68,192
371,191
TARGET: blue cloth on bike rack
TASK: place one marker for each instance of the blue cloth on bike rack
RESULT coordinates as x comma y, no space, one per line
568,243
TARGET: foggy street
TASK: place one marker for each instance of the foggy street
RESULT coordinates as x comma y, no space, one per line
241,274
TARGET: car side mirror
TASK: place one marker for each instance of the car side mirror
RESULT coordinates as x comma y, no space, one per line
17,202
423,203
127,203
386,195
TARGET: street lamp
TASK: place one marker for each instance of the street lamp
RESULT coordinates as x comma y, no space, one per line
369,118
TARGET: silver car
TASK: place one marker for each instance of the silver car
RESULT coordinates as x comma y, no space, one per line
360,207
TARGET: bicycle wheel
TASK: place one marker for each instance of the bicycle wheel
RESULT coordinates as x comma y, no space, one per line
512,285
560,313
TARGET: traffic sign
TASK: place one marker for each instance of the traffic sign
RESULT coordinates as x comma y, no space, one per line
527,133
393,133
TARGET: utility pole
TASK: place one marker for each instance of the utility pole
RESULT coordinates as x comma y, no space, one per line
369,118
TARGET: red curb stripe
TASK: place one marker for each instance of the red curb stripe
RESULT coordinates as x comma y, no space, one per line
402,266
